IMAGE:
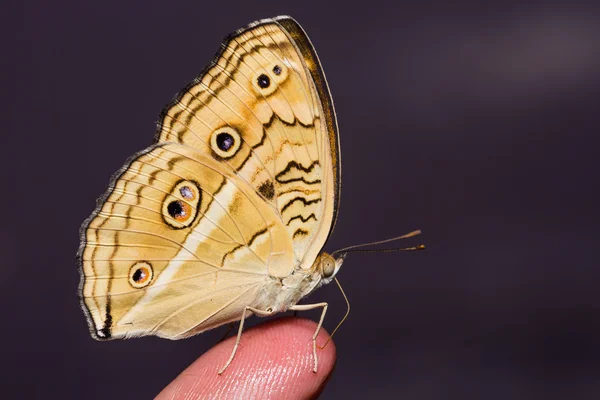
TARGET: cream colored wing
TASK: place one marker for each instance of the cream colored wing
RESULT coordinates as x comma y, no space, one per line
263,109
178,245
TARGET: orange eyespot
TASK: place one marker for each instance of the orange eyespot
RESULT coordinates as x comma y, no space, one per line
140,274
181,205
179,210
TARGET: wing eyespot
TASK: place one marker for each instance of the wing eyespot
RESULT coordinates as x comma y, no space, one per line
280,73
267,82
225,142
180,207
263,81
141,274
179,210
187,193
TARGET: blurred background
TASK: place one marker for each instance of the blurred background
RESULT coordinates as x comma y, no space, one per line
475,122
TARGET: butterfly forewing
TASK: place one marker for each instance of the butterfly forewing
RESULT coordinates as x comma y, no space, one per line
261,86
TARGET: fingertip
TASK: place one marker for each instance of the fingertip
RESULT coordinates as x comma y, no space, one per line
274,360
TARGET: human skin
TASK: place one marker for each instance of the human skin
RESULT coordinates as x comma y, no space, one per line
274,361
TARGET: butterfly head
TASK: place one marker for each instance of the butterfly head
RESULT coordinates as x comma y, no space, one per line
328,266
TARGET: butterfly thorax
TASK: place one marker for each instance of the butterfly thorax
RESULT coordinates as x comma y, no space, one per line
283,293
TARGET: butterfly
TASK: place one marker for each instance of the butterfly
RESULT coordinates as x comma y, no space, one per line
225,216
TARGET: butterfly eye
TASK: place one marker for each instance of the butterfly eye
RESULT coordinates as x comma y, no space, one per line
225,142
140,274
328,267
181,205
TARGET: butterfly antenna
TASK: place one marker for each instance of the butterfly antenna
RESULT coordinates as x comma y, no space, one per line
343,319
358,247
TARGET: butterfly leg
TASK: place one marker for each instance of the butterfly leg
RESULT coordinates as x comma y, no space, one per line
239,335
305,307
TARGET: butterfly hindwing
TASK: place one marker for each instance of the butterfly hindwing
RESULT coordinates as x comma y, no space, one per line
197,233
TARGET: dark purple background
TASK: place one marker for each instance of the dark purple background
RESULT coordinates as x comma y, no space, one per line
477,124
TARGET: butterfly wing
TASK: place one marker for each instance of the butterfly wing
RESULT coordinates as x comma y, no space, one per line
266,90
241,188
